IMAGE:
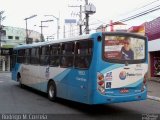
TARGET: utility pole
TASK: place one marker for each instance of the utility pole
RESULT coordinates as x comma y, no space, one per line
27,27
89,9
1,27
42,37
80,19
87,18
58,26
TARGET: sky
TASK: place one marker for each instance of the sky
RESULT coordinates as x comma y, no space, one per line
17,10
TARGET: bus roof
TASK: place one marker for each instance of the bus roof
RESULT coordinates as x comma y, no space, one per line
82,37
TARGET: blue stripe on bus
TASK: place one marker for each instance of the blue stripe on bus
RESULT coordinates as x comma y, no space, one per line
62,75
112,67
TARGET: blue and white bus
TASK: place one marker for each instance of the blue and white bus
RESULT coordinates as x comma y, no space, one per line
98,68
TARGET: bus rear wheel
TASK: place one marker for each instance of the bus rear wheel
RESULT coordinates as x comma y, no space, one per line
52,91
20,80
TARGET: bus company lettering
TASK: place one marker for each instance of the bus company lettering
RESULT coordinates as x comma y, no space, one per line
47,72
81,79
134,74
81,73
123,75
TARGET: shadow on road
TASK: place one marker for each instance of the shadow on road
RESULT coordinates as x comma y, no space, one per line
91,110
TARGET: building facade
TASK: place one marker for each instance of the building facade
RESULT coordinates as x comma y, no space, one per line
152,30
10,38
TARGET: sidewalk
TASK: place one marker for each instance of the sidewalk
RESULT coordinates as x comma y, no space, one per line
153,90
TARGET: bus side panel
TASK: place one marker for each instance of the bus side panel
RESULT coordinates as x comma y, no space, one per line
77,85
92,86
60,77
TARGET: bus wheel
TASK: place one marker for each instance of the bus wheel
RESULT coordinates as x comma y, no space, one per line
52,91
20,81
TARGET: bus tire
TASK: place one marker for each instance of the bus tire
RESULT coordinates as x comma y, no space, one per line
20,80
52,92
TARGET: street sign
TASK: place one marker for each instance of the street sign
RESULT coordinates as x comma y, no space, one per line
69,21
6,51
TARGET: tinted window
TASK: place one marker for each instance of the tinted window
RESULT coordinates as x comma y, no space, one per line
83,54
44,56
35,56
27,56
20,58
67,57
54,55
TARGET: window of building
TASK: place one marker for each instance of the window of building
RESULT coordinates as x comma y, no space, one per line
83,54
10,37
16,37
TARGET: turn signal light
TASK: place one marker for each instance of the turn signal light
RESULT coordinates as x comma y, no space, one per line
100,76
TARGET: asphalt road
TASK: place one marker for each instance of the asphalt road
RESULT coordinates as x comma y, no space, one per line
16,100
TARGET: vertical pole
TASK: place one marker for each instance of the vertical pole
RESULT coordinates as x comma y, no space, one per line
111,26
64,34
80,26
87,19
0,29
41,32
58,25
26,33
57,28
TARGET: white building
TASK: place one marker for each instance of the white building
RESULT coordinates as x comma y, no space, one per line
11,37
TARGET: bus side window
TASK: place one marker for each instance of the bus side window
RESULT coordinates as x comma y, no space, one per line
44,55
35,55
27,56
20,58
54,55
67,54
83,54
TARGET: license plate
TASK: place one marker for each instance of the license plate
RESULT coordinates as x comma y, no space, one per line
124,90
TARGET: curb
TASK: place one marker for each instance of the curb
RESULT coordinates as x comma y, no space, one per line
155,81
153,98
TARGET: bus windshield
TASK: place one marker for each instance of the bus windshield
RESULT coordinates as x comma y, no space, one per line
124,48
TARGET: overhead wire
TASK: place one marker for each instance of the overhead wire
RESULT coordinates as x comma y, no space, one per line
141,14
138,8
127,18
